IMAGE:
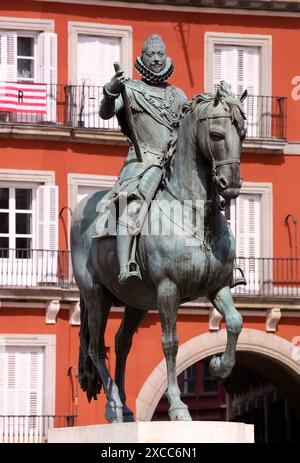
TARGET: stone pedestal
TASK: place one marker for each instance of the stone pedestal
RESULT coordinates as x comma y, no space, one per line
156,432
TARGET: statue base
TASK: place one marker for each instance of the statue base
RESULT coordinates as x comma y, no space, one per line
156,432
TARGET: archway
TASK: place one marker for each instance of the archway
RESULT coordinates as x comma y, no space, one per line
266,345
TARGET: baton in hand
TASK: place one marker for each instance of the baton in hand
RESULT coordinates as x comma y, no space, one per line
129,118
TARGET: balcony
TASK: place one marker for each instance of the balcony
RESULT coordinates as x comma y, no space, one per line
71,112
51,270
33,429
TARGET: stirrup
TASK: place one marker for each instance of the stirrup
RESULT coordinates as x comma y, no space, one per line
240,280
132,271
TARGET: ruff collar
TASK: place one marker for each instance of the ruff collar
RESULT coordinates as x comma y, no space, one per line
154,77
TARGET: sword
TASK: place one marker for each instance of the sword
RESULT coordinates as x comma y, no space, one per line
129,118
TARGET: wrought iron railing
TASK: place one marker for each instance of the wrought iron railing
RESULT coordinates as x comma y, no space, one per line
266,117
31,428
52,269
77,106
36,268
269,277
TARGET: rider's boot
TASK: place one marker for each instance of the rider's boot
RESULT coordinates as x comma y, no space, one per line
129,268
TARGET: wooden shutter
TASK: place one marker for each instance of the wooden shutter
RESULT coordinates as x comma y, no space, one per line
95,57
239,66
225,66
248,237
8,56
21,391
47,232
47,70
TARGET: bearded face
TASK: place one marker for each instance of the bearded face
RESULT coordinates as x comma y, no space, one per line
154,65
154,56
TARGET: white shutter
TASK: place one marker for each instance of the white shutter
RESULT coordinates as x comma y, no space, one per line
8,56
47,70
248,232
239,66
21,392
95,57
251,83
47,233
226,66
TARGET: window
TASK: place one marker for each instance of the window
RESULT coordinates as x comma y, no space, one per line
250,218
189,380
28,233
210,384
17,209
243,61
93,50
27,386
81,185
28,56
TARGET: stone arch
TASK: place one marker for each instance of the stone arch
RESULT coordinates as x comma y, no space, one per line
205,345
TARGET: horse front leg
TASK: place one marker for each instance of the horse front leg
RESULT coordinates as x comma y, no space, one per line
221,367
168,300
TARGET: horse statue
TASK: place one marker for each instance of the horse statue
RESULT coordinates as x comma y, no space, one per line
205,165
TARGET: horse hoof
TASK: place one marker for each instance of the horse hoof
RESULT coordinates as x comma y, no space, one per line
113,414
179,414
128,416
218,369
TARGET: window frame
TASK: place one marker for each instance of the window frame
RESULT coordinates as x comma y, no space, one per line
48,343
32,35
262,42
265,191
12,211
124,33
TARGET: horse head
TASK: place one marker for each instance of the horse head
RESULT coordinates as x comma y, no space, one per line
221,131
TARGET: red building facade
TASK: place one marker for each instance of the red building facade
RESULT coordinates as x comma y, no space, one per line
50,160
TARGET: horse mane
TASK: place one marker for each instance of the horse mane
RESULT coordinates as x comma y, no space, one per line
229,101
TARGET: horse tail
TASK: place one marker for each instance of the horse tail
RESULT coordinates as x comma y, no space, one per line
88,376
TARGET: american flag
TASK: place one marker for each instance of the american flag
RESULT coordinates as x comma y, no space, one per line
23,97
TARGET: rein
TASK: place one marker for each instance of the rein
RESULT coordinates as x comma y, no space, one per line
216,164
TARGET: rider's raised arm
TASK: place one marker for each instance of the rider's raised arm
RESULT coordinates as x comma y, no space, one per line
109,107
112,101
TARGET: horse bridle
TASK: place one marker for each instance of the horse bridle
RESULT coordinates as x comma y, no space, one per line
216,164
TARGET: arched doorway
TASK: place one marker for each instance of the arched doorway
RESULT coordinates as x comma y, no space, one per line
265,356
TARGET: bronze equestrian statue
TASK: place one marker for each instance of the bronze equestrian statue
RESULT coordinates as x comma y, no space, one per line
188,258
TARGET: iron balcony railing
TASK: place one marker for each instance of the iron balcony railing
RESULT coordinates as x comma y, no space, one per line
31,428
77,106
34,268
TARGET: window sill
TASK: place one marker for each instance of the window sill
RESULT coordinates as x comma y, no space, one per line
69,134
264,145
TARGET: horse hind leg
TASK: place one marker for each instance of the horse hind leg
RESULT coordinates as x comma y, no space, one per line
168,301
123,341
97,307
221,367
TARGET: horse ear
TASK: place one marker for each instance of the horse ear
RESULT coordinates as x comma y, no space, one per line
217,97
244,96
